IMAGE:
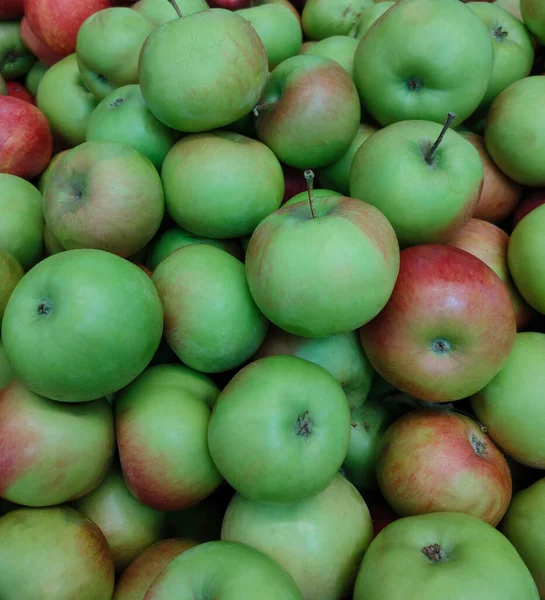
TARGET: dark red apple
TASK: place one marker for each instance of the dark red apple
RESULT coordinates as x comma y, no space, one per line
381,515
294,182
531,200
229,4
11,9
18,90
37,46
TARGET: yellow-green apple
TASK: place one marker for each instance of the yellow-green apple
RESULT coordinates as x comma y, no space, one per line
532,199
425,179
46,174
515,131
207,334
11,272
341,355
221,184
15,59
309,112
526,256
296,437
316,193
82,324
21,220
52,553
17,90
319,541
34,77
446,63
489,243
123,116
104,195
65,101
174,470
12,9
340,48
161,11
524,526
440,555
533,15
229,570
513,6
368,16
6,372
447,329
128,526
52,452
220,84
37,46
26,143
326,18
510,406
136,579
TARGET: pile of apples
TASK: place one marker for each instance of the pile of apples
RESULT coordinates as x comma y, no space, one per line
272,298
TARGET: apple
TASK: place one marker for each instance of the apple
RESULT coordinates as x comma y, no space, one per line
533,15
222,84
6,372
326,18
230,4
136,579
447,329
15,59
382,515
11,9
104,195
11,273
52,553
161,11
319,193
368,17
446,63
212,324
37,46
21,220
439,555
490,243
319,541
34,77
232,570
17,90
107,329
306,46
3,87
309,112
294,182
513,6
65,101
510,405
531,200
26,142
525,257
44,177
341,355
221,184
340,48
52,246
524,525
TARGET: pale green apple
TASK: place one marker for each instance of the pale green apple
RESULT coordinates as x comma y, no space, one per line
15,58
34,76
326,18
317,193
6,372
368,17
161,11
44,177
533,15
340,48
11,273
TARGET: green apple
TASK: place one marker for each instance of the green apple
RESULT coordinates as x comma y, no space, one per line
368,17
34,77
443,555
21,220
10,274
524,526
104,195
424,179
340,48
318,193
65,101
221,184
326,18
295,437
44,177
203,71
513,6
446,63
212,324
52,245
319,541
82,324
161,11
515,131
533,15
6,372
337,174
510,406
108,48
123,116
52,553
15,58
128,526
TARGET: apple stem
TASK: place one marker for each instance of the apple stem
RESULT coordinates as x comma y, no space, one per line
309,178
176,8
429,157
261,107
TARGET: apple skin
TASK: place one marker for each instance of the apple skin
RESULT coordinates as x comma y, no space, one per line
21,220
453,75
320,541
6,372
316,193
65,101
382,515
17,90
12,9
533,15
11,273
221,184
3,87
525,257
368,17
104,195
512,6
159,11
326,18
531,200
69,552
510,405
447,329
425,203
524,525
71,350
309,112
44,177
37,46
26,143
233,70
34,77
233,571
473,561
15,59
135,581
490,243
318,297
340,48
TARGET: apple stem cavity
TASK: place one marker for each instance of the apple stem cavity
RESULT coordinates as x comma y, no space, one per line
441,346
259,107
176,8
478,445
431,154
434,553
499,33
44,308
303,425
309,178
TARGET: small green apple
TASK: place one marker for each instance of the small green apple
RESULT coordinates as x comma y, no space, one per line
326,18
15,58
161,11
34,76
340,48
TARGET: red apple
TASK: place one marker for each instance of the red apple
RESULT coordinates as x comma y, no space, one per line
11,9
17,90
26,143
442,461
381,515
447,329
37,46
229,4
294,182
533,199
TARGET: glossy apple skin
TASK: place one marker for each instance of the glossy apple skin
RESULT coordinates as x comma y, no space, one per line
447,329
529,202
26,143
12,9
10,274
37,46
